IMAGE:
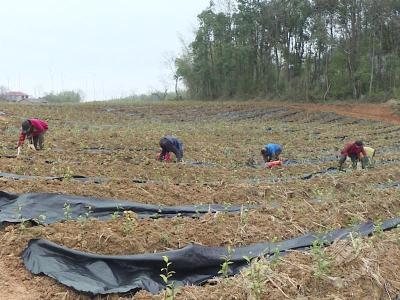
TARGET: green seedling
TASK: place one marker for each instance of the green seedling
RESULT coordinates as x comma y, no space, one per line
280,212
244,216
67,211
354,221
86,215
322,261
65,173
23,223
129,222
41,219
35,171
227,205
378,230
197,211
170,290
275,259
116,214
255,272
356,243
225,269
158,213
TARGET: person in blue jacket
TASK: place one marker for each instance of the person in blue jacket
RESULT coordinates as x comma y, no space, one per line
271,152
171,144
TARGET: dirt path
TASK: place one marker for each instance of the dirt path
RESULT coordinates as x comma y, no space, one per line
14,286
378,112
15,281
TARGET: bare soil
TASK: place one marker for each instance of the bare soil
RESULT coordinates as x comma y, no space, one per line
222,165
377,112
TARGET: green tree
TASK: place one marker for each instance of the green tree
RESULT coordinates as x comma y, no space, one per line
313,49
63,97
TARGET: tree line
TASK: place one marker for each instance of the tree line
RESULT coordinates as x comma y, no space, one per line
313,50
63,97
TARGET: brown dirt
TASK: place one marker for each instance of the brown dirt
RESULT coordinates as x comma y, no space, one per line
377,112
229,135
11,284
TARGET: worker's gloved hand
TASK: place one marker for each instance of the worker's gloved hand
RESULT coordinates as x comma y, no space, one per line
275,157
167,157
18,150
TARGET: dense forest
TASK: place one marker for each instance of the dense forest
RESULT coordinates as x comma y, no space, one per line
300,49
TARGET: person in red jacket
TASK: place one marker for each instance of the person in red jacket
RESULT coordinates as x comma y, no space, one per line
354,151
34,130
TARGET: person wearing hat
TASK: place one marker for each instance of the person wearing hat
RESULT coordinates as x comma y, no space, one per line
354,151
34,130
271,152
169,144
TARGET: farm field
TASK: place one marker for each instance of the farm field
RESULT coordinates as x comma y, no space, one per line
113,147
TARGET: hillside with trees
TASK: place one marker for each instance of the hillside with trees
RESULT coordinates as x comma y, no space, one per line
311,50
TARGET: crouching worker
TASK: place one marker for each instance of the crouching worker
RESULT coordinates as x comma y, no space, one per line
354,151
170,144
271,152
34,130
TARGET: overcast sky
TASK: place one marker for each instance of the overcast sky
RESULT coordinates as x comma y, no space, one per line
107,48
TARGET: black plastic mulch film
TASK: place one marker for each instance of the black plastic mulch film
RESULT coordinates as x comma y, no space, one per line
49,208
193,265
103,274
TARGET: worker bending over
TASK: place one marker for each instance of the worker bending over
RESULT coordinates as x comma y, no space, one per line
34,130
170,144
354,150
271,152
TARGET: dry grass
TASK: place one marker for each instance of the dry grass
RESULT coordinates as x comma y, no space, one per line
225,137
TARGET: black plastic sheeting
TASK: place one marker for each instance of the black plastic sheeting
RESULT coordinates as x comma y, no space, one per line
269,179
95,150
80,178
388,185
330,170
289,162
50,208
194,264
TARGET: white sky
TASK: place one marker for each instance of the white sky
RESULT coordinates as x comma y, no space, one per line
106,48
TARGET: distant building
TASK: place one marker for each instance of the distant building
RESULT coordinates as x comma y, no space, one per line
15,96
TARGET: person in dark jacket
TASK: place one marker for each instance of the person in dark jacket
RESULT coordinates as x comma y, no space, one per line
34,130
271,152
171,144
354,150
